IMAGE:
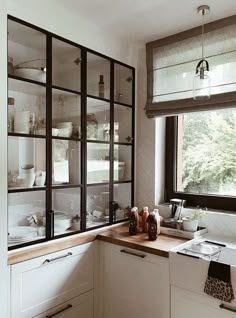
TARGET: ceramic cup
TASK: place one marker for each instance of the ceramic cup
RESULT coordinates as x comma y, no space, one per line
40,178
27,172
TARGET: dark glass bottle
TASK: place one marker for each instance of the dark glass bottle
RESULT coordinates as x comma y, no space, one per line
152,226
101,87
133,221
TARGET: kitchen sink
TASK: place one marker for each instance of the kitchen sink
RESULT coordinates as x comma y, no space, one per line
189,268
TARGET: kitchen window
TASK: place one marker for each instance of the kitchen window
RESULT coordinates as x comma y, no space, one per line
201,158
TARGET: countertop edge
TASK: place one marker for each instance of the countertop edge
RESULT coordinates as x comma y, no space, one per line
136,246
110,234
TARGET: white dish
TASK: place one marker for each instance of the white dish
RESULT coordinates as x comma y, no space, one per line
21,232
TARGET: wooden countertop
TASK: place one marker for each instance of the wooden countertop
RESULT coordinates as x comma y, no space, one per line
116,234
120,236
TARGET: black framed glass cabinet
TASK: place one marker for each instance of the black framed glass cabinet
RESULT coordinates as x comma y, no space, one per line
70,137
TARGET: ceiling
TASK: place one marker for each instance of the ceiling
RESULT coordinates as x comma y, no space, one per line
146,20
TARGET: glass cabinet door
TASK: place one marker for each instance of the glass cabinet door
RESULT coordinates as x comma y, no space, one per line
26,52
27,69
70,137
123,84
66,137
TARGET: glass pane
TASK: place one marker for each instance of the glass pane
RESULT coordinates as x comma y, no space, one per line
122,163
98,164
26,108
65,162
122,124
98,120
97,206
98,76
123,84
66,207
26,52
26,162
66,65
122,200
66,114
26,217
206,152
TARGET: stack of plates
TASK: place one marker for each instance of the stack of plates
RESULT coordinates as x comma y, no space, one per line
21,234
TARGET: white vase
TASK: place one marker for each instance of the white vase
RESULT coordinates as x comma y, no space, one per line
28,180
190,225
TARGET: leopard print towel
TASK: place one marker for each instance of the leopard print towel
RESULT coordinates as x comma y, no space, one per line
219,289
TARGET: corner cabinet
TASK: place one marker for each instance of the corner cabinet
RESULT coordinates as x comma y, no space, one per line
70,136
132,284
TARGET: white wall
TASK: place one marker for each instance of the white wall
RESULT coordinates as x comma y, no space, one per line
150,146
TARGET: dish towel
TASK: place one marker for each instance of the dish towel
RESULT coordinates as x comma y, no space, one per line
218,283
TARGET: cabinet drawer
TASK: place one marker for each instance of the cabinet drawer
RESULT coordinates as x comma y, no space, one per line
78,307
47,281
185,304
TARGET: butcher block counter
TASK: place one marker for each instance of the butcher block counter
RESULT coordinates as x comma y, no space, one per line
116,234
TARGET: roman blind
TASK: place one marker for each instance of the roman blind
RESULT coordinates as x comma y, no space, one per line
171,64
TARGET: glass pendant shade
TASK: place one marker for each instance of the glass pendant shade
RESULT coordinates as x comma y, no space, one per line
201,87
202,81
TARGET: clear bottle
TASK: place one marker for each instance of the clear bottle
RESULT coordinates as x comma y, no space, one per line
158,218
145,215
101,87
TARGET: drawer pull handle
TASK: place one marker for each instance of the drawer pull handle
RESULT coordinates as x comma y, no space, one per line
222,306
133,254
57,313
49,260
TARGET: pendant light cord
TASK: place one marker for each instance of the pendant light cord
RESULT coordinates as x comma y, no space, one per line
203,22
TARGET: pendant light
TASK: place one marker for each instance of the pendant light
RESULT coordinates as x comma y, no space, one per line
202,81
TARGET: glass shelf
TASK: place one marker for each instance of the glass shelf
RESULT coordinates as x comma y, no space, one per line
122,124
26,52
98,199
66,65
66,207
123,84
98,120
98,76
122,163
26,217
98,164
66,115
65,162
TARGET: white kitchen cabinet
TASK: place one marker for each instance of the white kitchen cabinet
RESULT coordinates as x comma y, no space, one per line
133,284
79,307
186,304
42,283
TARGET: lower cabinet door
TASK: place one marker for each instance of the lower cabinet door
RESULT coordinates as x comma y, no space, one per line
135,284
47,281
186,304
79,307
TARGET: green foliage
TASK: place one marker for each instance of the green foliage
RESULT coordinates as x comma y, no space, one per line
209,152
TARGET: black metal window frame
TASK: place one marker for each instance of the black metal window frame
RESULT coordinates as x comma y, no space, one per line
83,93
218,202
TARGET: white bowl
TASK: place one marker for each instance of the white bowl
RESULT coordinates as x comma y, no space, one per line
55,131
61,224
65,132
33,74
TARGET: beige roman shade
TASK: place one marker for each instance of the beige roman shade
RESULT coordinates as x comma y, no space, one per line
171,64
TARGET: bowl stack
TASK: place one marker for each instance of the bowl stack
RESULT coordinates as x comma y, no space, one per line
65,129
